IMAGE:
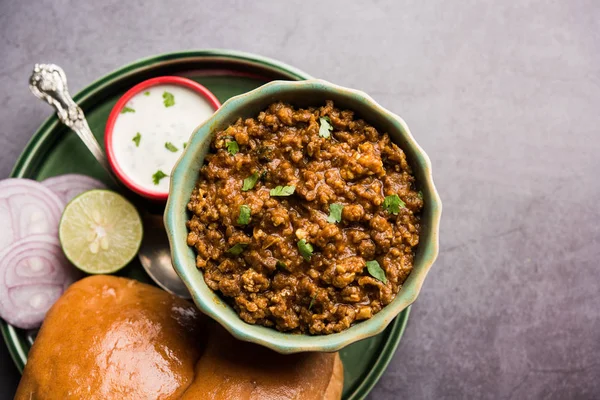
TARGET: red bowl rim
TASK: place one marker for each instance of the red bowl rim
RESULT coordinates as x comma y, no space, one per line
116,111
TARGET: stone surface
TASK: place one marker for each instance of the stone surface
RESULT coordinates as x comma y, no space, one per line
503,95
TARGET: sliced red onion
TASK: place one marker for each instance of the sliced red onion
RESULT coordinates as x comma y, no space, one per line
33,274
70,185
27,207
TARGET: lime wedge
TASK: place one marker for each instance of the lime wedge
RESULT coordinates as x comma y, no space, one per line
100,231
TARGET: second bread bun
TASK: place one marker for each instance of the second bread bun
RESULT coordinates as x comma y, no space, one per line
234,370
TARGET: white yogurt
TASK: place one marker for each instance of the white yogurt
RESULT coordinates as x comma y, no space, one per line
157,125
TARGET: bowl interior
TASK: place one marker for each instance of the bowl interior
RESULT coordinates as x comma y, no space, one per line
300,94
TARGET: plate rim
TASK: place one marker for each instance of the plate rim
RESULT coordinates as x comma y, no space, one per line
388,351
41,135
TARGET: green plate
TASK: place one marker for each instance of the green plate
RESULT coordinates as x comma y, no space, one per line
55,150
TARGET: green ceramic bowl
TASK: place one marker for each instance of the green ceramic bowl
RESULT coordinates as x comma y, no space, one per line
303,93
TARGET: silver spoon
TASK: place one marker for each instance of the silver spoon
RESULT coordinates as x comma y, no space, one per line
155,256
48,82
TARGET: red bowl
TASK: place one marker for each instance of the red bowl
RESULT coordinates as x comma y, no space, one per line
116,111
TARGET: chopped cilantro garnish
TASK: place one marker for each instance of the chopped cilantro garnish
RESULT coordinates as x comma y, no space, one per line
393,204
232,147
168,99
244,217
335,213
376,271
281,264
312,301
127,109
136,139
184,145
158,175
237,248
326,128
282,191
305,249
146,93
250,182
169,146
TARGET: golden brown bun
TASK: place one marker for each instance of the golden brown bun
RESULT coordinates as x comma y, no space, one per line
235,370
114,338
336,384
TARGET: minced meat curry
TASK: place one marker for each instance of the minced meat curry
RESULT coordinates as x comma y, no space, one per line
305,220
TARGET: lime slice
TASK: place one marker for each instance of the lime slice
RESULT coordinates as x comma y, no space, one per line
100,231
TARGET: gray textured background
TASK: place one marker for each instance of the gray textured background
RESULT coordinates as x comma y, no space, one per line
505,98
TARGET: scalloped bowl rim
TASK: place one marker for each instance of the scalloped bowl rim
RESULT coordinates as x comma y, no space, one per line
211,304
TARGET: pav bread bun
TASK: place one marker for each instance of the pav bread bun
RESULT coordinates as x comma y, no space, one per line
234,370
116,338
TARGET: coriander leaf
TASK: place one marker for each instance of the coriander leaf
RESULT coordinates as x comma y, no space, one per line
169,146
158,175
232,147
376,271
237,248
168,99
305,249
282,191
312,301
244,217
136,139
335,213
281,264
325,127
250,182
393,204
146,93
420,194
184,145
127,109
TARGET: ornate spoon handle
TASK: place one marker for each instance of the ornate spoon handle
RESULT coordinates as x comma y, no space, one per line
48,82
